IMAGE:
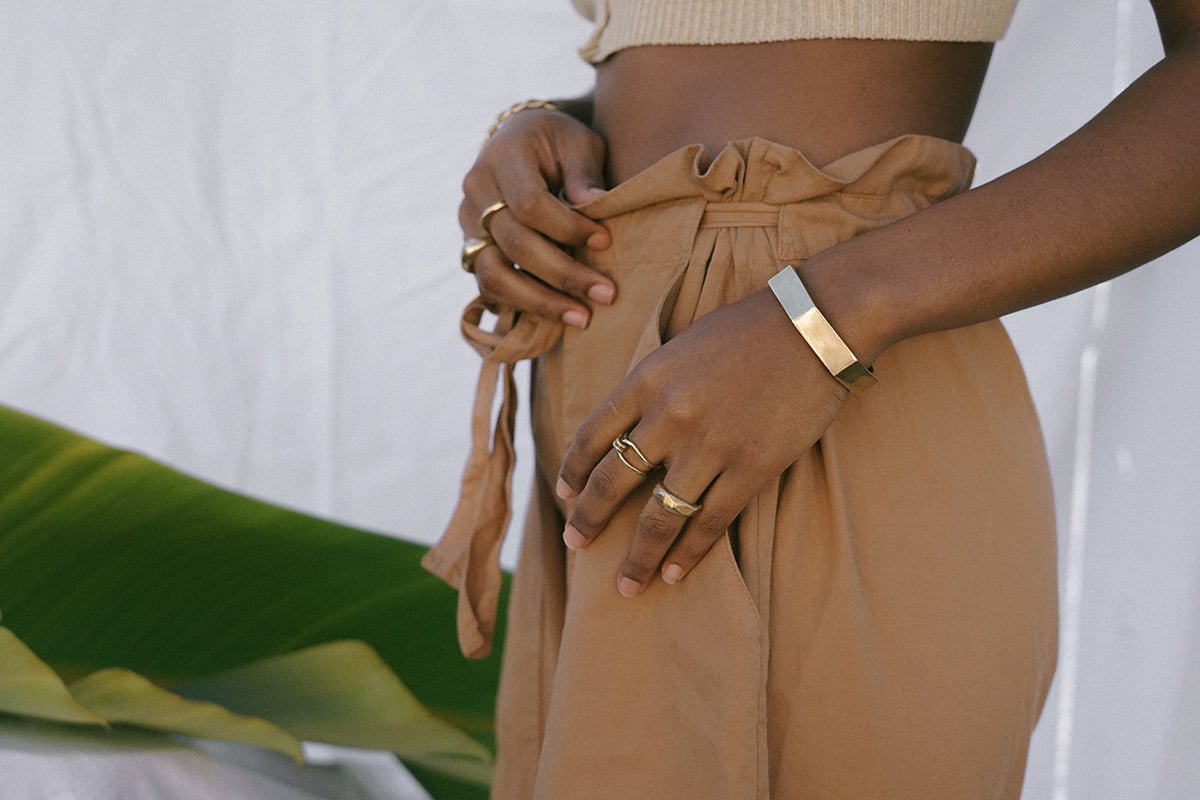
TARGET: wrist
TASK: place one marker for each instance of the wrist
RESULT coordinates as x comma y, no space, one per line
847,287
826,343
512,111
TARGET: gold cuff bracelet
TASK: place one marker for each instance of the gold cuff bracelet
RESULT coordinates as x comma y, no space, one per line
821,337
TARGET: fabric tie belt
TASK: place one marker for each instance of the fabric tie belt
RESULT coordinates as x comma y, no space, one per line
740,215
468,554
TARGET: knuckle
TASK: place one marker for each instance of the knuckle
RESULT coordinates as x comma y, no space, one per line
603,484
522,205
465,214
506,239
526,206
488,277
512,240
708,527
683,408
647,376
473,182
656,529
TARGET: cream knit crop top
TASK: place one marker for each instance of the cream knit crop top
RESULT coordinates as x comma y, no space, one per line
629,23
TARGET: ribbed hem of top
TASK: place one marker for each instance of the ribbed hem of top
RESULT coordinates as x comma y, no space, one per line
629,23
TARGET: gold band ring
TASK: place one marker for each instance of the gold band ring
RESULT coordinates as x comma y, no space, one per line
623,443
673,502
485,219
471,248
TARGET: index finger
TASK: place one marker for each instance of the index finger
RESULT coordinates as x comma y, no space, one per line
531,202
616,415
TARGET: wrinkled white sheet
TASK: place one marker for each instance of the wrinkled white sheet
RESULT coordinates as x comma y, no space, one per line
227,238
40,761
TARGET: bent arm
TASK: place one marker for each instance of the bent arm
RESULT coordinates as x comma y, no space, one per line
1122,190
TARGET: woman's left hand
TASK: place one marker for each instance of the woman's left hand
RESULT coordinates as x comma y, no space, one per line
724,407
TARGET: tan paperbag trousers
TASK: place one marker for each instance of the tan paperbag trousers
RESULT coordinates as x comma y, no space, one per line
881,622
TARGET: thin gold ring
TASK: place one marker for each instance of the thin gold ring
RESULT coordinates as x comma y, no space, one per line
623,443
471,248
485,219
625,461
673,502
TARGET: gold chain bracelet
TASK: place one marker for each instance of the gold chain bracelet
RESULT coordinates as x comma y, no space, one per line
516,108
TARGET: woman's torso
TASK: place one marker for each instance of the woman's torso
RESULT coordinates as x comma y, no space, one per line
825,97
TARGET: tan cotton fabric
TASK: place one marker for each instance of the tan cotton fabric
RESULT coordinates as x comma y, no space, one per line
881,623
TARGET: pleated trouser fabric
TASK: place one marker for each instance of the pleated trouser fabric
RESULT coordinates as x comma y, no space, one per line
881,621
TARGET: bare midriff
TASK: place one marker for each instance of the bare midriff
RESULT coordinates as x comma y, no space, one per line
826,98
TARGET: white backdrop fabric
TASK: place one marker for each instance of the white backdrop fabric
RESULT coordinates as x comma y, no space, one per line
228,239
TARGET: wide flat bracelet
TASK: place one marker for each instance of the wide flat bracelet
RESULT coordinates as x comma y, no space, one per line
821,337
516,108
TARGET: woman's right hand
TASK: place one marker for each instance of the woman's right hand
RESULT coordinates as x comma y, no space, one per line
533,155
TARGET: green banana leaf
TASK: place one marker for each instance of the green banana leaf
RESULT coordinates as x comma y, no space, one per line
111,560
29,688
121,696
369,708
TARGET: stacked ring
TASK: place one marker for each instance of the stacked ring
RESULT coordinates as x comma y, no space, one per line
472,247
485,219
623,445
673,502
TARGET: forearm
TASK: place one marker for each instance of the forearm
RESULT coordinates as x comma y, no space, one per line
1120,191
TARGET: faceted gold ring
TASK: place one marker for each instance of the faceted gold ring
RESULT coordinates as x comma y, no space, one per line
623,445
472,247
674,503
485,219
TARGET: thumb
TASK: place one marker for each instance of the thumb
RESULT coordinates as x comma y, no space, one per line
582,180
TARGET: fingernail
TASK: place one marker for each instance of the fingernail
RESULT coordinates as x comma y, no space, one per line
594,191
672,573
573,538
598,241
563,490
602,293
628,587
575,318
